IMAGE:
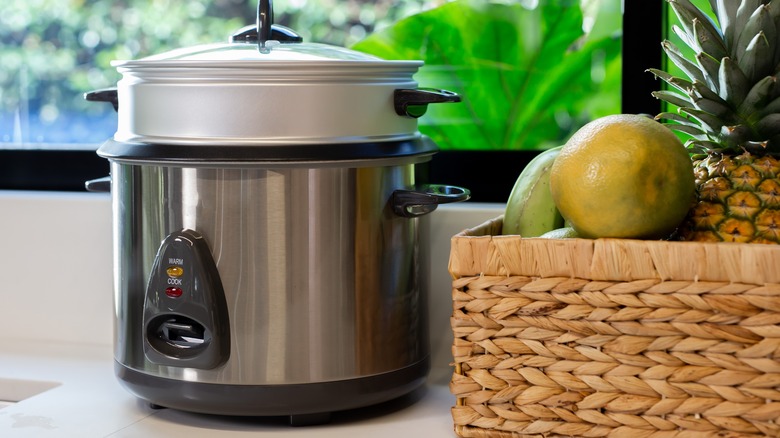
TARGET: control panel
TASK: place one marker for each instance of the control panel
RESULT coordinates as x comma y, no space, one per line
186,320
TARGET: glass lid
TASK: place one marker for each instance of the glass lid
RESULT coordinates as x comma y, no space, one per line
272,50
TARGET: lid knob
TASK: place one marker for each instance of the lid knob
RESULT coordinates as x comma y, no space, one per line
265,18
264,30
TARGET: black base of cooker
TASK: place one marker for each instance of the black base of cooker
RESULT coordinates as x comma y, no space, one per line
305,403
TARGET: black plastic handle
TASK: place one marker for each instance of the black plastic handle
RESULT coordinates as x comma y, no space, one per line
104,95
414,102
414,203
265,18
280,33
264,30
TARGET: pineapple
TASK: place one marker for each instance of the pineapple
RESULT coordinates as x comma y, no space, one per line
729,105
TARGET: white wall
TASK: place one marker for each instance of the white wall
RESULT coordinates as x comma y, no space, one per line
55,266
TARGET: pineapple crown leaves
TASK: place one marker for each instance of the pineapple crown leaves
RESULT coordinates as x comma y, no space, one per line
730,100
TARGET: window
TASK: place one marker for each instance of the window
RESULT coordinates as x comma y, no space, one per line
52,52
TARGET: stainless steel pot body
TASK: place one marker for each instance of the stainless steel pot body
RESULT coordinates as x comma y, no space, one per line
322,281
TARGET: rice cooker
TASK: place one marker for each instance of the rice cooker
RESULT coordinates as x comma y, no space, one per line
269,235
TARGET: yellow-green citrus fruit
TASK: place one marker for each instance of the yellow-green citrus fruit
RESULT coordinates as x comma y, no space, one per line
624,176
561,233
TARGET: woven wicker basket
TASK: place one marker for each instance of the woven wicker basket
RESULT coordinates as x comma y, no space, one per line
613,337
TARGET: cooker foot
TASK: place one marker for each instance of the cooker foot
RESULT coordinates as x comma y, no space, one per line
310,419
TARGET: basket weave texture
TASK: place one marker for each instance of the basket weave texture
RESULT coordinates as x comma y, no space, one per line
614,337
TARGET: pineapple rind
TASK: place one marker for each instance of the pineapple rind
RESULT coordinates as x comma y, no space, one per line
738,200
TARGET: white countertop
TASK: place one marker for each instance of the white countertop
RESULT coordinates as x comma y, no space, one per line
86,400
56,358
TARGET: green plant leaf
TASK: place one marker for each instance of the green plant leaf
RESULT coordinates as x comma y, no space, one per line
526,76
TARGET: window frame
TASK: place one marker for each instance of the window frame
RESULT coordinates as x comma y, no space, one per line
490,175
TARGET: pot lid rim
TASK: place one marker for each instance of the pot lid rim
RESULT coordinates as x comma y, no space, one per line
138,64
244,54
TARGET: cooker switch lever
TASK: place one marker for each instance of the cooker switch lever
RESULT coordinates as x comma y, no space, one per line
182,334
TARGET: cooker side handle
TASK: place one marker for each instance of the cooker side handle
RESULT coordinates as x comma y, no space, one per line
414,102
104,95
102,185
414,203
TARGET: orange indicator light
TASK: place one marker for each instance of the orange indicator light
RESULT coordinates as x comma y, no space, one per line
174,271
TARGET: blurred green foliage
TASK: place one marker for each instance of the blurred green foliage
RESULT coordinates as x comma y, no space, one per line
53,51
528,76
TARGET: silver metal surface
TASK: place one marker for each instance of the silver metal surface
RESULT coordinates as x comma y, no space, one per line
323,282
263,103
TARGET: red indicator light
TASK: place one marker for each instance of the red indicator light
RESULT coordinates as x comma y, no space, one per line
174,292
